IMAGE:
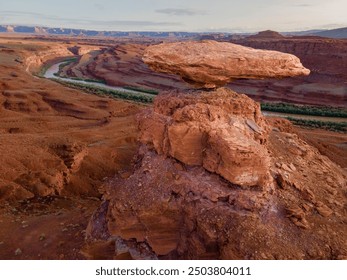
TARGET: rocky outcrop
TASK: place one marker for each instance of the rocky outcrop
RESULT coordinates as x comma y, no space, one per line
82,50
211,180
211,64
222,131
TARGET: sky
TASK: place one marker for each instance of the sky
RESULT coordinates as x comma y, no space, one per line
179,15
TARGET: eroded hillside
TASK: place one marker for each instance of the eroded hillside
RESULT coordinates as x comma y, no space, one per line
57,143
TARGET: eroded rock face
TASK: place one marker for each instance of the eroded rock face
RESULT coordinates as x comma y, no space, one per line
324,57
211,181
222,131
211,64
82,50
177,210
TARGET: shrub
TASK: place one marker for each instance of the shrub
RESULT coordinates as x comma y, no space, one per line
325,111
334,126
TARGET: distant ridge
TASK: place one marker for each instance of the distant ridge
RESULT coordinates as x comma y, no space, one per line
339,33
82,32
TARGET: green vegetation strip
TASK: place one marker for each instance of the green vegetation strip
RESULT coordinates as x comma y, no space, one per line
79,79
43,70
66,63
334,126
108,92
145,90
323,111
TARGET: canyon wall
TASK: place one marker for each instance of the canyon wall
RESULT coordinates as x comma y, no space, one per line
326,84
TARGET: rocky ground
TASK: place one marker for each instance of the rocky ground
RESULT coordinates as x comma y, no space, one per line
72,168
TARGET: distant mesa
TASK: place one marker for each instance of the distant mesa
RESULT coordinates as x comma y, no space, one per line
24,29
267,34
211,64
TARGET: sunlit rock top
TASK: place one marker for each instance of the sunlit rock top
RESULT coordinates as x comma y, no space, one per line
211,64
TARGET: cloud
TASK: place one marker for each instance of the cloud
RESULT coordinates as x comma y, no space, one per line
130,23
89,22
180,12
19,14
331,26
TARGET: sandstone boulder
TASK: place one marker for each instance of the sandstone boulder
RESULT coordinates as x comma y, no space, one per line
221,130
211,64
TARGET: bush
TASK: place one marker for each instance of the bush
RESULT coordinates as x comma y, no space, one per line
334,126
108,92
324,111
145,90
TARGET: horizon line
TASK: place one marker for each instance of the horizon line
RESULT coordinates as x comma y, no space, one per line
171,31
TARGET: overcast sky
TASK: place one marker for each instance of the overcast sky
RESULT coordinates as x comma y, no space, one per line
179,15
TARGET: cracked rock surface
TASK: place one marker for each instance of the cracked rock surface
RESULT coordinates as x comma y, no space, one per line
198,192
211,64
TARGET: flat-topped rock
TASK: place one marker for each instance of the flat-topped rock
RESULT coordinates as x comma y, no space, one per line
211,64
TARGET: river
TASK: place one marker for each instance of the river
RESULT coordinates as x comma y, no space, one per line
54,69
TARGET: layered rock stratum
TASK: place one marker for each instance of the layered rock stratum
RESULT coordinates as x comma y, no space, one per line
211,64
326,84
212,179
